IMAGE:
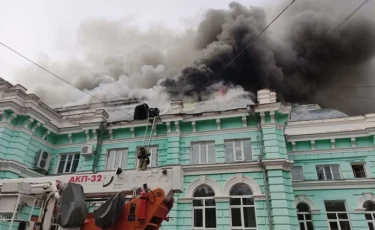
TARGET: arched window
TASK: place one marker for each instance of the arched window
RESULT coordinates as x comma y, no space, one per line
204,211
242,208
370,214
304,217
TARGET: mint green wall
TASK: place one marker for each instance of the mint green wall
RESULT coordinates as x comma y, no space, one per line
351,197
20,147
344,159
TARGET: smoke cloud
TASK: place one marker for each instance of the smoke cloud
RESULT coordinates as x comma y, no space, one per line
299,57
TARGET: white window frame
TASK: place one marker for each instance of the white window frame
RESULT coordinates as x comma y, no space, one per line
305,220
66,161
203,208
364,169
331,171
125,152
337,220
199,143
372,213
242,149
241,206
153,156
300,172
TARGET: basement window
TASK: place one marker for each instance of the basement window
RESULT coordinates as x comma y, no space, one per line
359,170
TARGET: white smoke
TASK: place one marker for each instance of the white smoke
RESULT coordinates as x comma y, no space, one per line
112,60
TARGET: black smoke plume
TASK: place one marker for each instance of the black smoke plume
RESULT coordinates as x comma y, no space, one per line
306,56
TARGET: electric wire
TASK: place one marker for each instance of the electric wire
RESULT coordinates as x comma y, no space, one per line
339,25
243,50
62,79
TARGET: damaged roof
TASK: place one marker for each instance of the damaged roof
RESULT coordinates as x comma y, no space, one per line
188,108
313,112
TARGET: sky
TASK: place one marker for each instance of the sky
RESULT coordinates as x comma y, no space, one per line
41,27
49,28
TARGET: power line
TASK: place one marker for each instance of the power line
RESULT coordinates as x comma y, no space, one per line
265,28
62,78
340,24
350,97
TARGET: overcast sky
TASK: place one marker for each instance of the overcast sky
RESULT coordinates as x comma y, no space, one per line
39,27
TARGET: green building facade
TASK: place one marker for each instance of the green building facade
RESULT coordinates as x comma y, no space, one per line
263,166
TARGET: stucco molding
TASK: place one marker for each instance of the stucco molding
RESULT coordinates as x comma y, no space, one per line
303,199
238,179
362,200
333,184
221,168
203,180
18,168
325,151
334,128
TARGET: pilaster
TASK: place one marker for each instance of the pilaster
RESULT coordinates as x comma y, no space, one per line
282,200
173,149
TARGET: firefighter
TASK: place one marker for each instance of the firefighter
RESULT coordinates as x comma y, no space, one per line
144,158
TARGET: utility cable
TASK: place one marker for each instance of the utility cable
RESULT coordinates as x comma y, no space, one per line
53,74
243,50
339,25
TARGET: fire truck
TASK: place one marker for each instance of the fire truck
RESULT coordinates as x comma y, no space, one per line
113,200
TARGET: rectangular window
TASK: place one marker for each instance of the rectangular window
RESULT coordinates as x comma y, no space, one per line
68,163
337,216
153,156
297,173
117,158
203,153
359,170
328,172
238,150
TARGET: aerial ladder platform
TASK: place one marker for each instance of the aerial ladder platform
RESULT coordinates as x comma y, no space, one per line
128,199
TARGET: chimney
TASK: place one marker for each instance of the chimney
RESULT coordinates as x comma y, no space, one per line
176,106
265,96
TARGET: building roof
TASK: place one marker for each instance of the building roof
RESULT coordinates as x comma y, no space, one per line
123,110
313,112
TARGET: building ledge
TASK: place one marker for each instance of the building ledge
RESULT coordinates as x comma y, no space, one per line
18,168
249,166
334,184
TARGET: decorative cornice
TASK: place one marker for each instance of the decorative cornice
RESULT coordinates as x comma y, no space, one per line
333,184
249,166
17,168
334,128
329,151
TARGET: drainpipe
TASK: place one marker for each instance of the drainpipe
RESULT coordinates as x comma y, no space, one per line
102,127
251,111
